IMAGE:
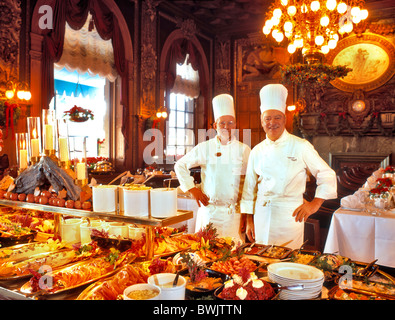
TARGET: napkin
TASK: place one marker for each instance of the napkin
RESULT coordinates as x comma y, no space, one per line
351,202
354,201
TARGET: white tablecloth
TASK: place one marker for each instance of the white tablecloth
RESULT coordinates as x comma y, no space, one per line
362,237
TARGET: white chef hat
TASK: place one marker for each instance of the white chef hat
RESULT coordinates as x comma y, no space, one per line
223,106
273,96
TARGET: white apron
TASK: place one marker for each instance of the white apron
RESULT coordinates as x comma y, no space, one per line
273,220
223,217
222,179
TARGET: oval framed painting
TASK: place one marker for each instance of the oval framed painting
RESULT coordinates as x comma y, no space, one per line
371,57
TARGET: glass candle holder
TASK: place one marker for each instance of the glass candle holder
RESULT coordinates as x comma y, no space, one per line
22,154
34,134
80,163
49,132
63,143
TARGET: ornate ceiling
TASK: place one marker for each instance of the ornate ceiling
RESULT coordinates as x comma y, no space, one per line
225,15
238,16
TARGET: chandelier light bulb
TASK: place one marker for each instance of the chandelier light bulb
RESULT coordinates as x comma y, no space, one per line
315,6
291,48
331,4
28,95
284,2
355,11
325,49
356,19
332,44
304,8
266,30
269,23
364,14
291,10
275,21
288,26
274,33
341,7
348,26
279,37
319,40
277,13
324,21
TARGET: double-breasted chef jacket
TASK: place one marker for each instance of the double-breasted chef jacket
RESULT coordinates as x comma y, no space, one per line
274,185
222,167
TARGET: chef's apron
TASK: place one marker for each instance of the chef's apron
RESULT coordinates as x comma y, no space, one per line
222,178
223,217
273,220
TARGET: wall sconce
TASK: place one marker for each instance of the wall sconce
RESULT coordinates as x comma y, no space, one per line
20,89
291,108
161,113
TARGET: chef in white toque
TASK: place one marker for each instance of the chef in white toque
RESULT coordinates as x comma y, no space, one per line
276,178
223,161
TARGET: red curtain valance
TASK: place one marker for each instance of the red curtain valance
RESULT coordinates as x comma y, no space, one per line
75,13
177,53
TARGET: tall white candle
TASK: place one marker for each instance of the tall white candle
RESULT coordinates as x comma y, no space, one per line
49,137
22,159
63,149
35,147
81,171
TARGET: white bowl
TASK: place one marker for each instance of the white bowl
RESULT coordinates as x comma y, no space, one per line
136,233
141,286
119,229
165,282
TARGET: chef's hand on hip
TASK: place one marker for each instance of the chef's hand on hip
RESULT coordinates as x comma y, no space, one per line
199,196
305,210
250,231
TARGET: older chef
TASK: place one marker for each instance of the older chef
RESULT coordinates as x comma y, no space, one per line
223,161
276,178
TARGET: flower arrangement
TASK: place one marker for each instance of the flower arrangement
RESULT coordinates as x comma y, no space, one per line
78,114
389,169
318,73
382,188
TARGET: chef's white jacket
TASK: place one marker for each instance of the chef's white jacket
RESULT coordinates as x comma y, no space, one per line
220,181
274,185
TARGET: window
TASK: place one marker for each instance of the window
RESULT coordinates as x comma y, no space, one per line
85,76
88,92
181,123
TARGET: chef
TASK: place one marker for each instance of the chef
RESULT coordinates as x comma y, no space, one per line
223,161
276,178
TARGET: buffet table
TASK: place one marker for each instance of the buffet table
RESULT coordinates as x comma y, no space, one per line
362,236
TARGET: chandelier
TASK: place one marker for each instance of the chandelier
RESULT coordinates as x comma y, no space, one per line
313,26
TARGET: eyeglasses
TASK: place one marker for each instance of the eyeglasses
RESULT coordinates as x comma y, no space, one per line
223,124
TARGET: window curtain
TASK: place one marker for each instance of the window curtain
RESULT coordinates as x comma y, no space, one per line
187,80
177,55
85,51
75,13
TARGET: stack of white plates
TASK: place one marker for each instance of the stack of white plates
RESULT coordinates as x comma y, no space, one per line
288,274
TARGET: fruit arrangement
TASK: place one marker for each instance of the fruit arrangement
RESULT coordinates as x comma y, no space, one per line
51,198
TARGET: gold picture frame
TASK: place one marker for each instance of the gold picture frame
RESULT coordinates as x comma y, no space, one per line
372,58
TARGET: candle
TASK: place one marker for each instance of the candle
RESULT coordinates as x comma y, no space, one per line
49,137
81,171
63,149
22,159
35,148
